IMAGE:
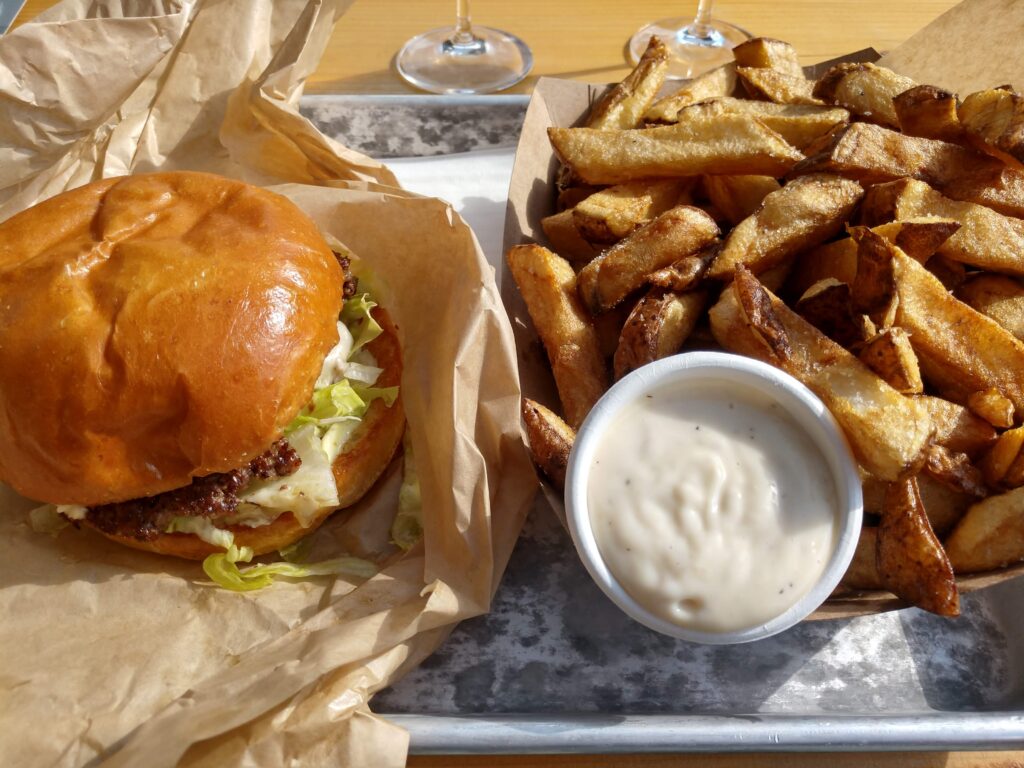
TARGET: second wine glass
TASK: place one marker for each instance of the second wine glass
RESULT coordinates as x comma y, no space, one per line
464,58
696,44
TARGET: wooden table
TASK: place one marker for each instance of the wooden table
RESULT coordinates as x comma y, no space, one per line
585,40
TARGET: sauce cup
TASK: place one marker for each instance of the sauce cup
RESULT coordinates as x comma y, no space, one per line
703,371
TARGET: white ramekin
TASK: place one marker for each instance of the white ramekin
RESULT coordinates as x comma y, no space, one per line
807,411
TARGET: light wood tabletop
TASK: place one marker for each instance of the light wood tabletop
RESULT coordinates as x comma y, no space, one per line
585,40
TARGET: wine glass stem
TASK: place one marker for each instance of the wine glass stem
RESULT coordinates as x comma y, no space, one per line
463,27
701,23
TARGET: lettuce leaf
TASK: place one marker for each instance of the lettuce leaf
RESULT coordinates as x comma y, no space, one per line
355,314
338,402
223,569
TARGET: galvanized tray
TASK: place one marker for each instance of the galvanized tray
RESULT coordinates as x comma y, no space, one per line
556,667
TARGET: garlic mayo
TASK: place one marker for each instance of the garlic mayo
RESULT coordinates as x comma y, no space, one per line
711,507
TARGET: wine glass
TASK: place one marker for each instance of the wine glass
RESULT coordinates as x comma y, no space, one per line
464,59
696,45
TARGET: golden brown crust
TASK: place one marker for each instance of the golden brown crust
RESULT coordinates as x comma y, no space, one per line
369,452
155,328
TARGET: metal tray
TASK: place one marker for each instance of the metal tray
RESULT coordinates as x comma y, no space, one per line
556,667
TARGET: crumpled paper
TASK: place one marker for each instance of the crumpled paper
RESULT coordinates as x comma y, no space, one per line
119,658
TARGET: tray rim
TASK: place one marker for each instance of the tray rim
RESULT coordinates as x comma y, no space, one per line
445,734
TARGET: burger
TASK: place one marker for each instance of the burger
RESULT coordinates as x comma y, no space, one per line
188,368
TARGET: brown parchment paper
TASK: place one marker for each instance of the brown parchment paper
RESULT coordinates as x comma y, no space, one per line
118,658
935,55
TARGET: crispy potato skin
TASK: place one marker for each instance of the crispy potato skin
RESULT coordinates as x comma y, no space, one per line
657,327
549,439
865,89
909,557
768,53
928,112
720,81
991,534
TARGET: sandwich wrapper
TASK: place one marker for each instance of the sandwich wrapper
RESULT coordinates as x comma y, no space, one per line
115,657
953,52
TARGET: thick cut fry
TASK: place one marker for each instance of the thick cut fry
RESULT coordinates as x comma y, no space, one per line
566,239
828,307
874,286
943,505
756,306
738,196
727,144
802,214
992,406
782,88
548,286
611,214
720,81
957,429
910,559
864,89
890,355
994,121
550,440
928,112
608,326
955,471
624,267
624,104
799,124
998,297
768,53
887,431
985,239
948,272
862,573
657,327
991,534
684,274
919,238
1005,453
872,154
960,350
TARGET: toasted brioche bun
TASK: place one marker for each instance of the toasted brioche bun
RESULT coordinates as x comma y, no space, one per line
154,328
366,456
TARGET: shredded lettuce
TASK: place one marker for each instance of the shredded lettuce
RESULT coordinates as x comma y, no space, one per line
355,314
223,569
407,527
339,402
204,529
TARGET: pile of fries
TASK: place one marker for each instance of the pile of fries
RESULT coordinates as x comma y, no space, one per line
861,232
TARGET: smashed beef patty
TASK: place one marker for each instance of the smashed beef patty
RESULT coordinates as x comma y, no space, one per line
210,496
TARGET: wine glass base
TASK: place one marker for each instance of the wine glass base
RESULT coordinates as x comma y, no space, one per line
492,61
694,50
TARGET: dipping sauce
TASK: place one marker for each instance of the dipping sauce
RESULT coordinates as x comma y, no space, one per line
712,508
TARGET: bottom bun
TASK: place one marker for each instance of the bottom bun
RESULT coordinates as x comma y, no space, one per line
367,454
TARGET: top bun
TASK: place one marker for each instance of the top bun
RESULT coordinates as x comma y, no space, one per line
155,328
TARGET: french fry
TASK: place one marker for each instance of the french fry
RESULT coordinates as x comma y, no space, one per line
685,273
998,297
995,465
548,286
624,267
624,104
990,535
738,196
950,273
657,327
865,90
955,471
928,112
943,505
890,355
566,239
960,351
798,124
798,216
720,81
609,215
986,239
887,431
994,121
550,440
910,559
828,307
957,429
919,238
992,406
782,88
608,326
872,154
862,573
733,144
874,286
768,53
